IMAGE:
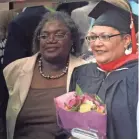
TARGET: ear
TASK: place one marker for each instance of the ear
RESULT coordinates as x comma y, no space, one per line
127,40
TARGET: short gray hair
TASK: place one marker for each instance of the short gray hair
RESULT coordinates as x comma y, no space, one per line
66,19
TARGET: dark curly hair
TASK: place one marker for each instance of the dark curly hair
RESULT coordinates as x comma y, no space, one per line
64,18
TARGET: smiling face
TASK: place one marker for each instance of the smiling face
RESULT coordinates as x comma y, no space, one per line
107,51
55,41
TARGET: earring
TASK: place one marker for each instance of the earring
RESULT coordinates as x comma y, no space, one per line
72,44
72,49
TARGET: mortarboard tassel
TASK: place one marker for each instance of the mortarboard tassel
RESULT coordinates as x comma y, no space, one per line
133,36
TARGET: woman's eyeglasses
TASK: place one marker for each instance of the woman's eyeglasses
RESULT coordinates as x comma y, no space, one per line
57,37
93,38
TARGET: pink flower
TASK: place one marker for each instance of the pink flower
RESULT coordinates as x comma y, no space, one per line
72,103
85,98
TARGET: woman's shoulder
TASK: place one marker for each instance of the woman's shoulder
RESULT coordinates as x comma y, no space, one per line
14,69
86,68
132,72
15,66
132,76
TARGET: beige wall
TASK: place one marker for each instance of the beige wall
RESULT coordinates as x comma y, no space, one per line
33,3
19,4
4,6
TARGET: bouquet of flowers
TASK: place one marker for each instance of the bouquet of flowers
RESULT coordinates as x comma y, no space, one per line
79,110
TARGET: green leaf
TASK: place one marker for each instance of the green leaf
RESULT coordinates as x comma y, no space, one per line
98,98
75,108
78,90
50,9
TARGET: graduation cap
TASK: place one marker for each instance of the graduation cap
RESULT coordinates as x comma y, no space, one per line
108,14
69,6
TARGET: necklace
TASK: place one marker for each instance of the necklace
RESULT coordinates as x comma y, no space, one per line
64,71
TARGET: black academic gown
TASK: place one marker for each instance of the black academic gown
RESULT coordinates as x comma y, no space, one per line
3,105
119,90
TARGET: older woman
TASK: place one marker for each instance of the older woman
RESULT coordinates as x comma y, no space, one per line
35,81
114,76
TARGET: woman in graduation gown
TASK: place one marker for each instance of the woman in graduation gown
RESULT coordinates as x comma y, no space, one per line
114,76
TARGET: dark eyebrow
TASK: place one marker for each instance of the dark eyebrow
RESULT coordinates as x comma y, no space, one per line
102,33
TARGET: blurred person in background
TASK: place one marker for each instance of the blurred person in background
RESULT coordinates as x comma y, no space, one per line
134,4
80,17
68,7
20,33
5,18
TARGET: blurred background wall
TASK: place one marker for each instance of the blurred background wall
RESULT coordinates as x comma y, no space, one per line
4,6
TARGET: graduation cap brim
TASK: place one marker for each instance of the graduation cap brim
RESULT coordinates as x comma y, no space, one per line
104,6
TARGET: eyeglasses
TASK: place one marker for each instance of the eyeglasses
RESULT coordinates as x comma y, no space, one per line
93,38
57,36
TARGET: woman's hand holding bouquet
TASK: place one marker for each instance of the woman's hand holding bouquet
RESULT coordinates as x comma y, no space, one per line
83,111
